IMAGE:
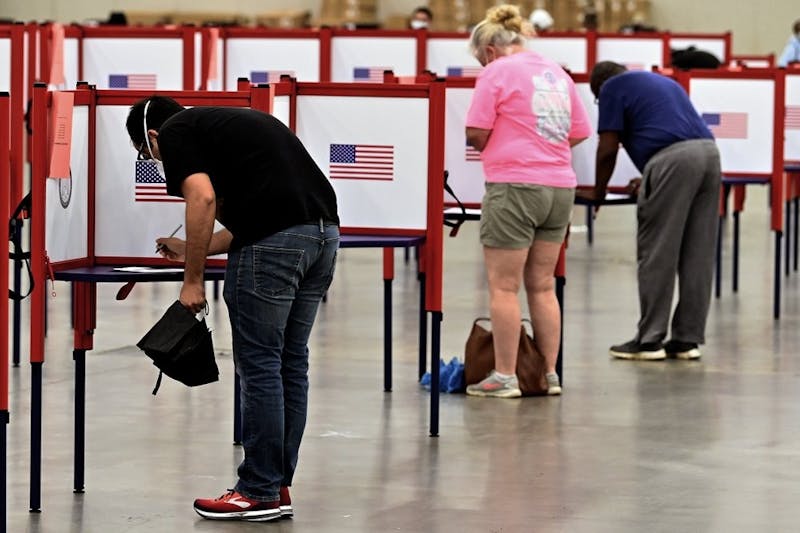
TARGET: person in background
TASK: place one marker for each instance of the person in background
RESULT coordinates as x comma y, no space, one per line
247,170
791,53
117,18
541,20
524,116
590,19
677,205
421,18
692,58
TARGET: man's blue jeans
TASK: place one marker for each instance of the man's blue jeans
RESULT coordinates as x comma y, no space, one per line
273,289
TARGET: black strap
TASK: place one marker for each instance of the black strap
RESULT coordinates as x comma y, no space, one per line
454,225
15,224
158,382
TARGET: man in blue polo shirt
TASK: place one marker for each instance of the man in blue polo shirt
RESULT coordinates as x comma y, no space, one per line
678,196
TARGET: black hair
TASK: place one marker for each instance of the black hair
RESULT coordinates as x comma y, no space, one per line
423,9
602,72
160,109
796,26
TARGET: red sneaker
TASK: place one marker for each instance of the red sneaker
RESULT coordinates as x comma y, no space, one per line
286,503
234,506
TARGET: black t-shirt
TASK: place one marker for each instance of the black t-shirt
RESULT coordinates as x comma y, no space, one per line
263,177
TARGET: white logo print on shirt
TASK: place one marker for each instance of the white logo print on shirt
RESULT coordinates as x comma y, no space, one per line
551,106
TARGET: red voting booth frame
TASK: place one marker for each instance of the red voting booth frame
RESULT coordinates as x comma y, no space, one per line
15,33
84,290
5,194
738,180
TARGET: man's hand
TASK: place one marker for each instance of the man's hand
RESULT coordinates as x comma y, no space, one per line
172,248
591,195
585,194
193,297
633,186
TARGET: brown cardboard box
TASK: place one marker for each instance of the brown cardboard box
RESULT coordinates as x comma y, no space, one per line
395,22
148,18
568,14
348,12
200,18
294,18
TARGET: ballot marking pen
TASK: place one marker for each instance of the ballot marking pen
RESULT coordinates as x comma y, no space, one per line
160,247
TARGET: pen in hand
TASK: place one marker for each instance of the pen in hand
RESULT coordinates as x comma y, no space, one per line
160,247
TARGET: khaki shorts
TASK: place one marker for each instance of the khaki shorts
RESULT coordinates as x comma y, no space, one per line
513,215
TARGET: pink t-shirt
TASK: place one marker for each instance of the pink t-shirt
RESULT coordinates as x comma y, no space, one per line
533,109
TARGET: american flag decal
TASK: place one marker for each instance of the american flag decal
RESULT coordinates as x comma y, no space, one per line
727,125
471,154
269,76
792,117
362,161
464,72
150,185
132,81
369,74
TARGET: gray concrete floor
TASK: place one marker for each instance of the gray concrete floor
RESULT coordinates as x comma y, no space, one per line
658,446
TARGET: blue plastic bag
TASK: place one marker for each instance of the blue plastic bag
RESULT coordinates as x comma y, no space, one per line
451,376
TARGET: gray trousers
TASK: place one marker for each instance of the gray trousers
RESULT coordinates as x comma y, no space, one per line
677,216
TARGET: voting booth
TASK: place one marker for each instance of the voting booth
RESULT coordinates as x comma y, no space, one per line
96,219
791,123
744,110
362,56
139,58
264,55
791,155
89,212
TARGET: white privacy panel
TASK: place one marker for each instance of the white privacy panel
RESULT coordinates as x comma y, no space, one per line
635,54
363,59
463,162
584,154
714,45
5,64
451,57
67,213
281,108
741,115
127,63
791,147
263,60
125,227
71,62
569,52
375,151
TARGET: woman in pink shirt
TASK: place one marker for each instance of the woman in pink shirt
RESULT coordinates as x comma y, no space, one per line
524,117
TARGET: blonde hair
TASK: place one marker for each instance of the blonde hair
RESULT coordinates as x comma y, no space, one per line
502,27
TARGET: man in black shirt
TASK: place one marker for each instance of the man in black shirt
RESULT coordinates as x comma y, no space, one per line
250,172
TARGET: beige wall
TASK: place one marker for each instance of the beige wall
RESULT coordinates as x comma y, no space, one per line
756,28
